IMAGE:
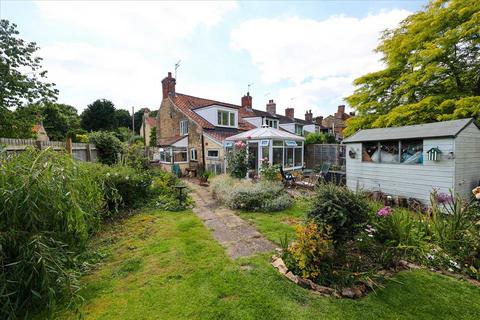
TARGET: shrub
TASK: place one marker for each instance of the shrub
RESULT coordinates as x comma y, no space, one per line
237,162
49,205
319,138
246,195
108,146
134,156
310,251
345,211
163,194
269,172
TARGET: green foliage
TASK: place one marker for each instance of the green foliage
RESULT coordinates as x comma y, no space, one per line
108,146
319,138
153,137
136,139
49,205
165,196
134,156
269,172
343,210
100,115
310,251
21,73
138,116
264,196
123,134
432,70
237,162
123,118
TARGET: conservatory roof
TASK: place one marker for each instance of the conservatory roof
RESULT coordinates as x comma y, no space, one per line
427,130
265,133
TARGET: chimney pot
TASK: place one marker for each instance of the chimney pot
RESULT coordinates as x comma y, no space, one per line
319,120
309,116
290,112
247,101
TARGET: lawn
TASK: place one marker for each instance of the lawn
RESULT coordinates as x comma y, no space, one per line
163,265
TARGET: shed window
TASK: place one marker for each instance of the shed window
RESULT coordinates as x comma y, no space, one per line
212,153
395,151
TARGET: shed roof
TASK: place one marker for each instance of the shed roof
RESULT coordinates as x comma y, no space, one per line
265,133
427,130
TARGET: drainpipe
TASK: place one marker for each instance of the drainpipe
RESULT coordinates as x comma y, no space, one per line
203,152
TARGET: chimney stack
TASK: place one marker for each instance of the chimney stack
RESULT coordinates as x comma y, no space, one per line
271,107
309,116
168,86
290,112
319,121
247,101
341,111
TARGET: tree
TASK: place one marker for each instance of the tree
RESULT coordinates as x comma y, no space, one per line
108,146
124,119
138,116
21,76
153,137
432,70
319,138
100,115
59,120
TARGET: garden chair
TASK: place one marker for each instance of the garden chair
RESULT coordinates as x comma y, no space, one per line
310,183
287,178
324,169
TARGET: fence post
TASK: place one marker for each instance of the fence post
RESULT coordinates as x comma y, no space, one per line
88,153
38,144
68,145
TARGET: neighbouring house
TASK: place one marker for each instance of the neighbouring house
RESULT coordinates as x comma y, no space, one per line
40,132
191,130
150,122
336,123
411,161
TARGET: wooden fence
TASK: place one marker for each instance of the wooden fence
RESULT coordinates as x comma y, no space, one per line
317,154
80,151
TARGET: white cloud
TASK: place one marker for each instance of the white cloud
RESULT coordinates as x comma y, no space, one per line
320,59
121,49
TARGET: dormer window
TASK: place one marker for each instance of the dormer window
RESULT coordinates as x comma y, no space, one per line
271,123
299,129
226,118
183,127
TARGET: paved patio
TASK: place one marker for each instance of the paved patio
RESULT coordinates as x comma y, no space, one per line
238,237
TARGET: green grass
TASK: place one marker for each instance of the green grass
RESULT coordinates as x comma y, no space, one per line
275,225
167,266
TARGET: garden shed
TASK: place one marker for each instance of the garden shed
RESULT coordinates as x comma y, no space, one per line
277,145
411,161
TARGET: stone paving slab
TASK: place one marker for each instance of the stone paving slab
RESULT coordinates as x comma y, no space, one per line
238,237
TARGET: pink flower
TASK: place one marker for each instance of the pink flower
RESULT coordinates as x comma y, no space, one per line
384,212
444,198
249,137
240,145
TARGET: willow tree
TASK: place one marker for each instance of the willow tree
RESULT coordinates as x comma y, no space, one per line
432,70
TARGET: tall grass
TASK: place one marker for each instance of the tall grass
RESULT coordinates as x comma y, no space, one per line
48,207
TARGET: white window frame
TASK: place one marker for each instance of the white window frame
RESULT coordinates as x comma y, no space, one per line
211,157
178,151
229,119
271,123
183,127
193,154
301,128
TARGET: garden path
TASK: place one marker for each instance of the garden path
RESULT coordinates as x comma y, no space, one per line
235,234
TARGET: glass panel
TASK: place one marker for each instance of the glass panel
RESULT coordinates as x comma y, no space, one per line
389,152
370,152
278,156
219,120
232,119
290,143
180,155
168,156
212,153
264,143
298,157
265,153
278,143
228,144
289,157
225,118
412,151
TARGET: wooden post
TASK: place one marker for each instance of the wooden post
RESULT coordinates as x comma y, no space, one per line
68,146
88,153
38,144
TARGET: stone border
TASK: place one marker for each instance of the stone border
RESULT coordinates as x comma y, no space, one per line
355,291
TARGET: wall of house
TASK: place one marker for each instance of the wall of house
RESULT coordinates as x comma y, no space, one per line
467,160
214,164
290,127
256,121
211,115
309,128
168,125
415,181
147,133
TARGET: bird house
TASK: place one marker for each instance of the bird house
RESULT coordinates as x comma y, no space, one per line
434,154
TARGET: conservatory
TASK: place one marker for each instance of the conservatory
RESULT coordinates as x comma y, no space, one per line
265,143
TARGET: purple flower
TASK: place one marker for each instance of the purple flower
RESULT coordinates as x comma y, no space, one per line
444,198
384,212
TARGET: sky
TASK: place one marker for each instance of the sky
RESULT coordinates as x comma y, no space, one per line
303,55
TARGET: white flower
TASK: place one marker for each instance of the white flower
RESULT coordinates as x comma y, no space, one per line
430,256
454,264
108,174
126,178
